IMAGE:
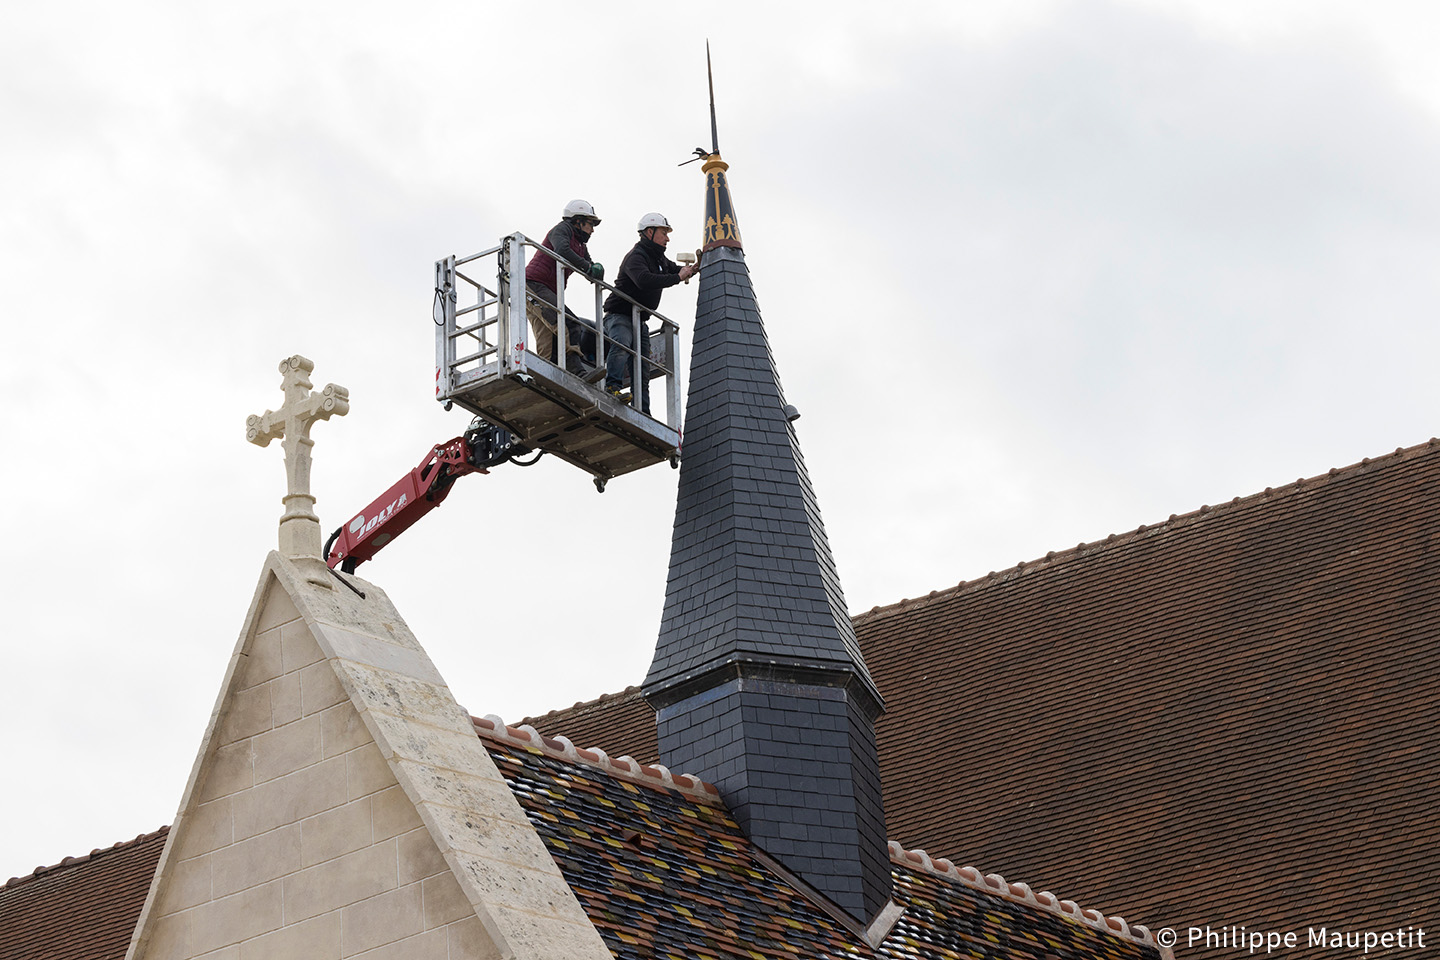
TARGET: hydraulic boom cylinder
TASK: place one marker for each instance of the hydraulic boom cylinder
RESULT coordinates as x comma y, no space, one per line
416,494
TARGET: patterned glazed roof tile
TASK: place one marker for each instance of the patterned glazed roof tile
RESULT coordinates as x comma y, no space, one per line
660,866
664,871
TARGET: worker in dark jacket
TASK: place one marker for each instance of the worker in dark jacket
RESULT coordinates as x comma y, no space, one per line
568,239
644,273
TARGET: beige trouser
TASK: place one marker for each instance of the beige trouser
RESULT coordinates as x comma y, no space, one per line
540,310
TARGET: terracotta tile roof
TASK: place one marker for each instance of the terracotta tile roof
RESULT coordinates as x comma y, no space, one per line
82,908
1249,675
621,722
664,871
1222,718
1214,719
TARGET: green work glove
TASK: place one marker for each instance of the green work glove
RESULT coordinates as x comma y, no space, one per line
597,271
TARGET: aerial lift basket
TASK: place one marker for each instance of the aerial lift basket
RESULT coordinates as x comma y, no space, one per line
486,363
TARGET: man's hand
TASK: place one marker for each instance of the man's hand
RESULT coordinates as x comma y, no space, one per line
597,271
688,271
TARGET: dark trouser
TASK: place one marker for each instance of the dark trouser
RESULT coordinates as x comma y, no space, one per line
620,332
579,332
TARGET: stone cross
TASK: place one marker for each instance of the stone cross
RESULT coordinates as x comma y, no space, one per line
299,526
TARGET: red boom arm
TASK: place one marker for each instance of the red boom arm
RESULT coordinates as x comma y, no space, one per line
420,491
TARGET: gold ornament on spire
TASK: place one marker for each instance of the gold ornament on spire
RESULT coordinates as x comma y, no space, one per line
721,229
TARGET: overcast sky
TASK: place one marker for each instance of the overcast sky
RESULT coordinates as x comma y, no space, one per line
1033,273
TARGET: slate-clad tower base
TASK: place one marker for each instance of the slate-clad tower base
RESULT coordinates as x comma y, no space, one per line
796,764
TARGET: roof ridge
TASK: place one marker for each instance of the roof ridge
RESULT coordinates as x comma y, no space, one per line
83,858
1110,540
581,704
996,885
656,776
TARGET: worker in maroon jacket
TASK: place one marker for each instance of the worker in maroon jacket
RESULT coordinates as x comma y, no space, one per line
567,240
644,273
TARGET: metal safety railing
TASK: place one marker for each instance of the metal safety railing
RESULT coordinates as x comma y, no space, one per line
484,328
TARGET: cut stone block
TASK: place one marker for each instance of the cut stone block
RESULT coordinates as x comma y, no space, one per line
291,798
314,939
210,827
263,662
192,883
287,749
336,832
342,730
487,837
418,857
384,919
285,705
320,688
393,813
298,646
340,882
434,945
367,771
249,714
278,609
469,940
444,901
231,771
236,918
256,860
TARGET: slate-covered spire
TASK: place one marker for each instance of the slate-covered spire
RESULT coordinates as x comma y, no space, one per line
758,682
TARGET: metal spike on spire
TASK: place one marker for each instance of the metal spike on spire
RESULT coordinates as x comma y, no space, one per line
710,75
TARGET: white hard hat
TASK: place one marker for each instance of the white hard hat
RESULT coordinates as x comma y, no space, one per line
579,208
653,220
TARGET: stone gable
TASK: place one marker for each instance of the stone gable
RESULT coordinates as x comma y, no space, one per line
342,807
